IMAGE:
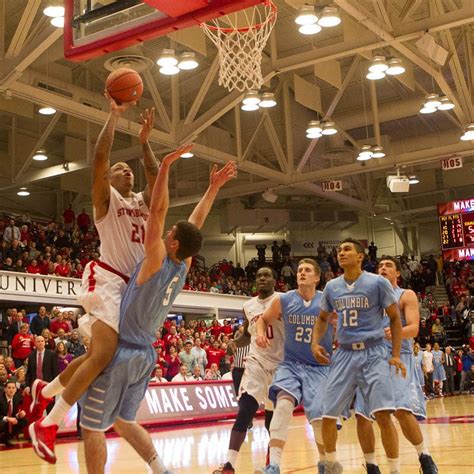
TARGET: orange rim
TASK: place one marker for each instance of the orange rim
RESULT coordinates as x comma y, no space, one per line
257,26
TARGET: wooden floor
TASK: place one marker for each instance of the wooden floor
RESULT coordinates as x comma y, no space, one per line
449,433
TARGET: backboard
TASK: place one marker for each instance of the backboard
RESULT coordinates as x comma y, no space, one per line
96,27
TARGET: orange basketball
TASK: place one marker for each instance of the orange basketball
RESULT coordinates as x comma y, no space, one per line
124,85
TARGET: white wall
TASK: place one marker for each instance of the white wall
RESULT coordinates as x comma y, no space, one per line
430,242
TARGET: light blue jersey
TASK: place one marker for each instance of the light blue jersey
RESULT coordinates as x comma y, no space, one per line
407,344
299,317
359,306
144,307
118,391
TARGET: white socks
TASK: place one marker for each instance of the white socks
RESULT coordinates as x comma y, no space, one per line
421,449
53,388
331,457
370,458
394,464
232,456
57,414
275,455
156,465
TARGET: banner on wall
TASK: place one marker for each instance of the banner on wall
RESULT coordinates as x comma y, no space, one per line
174,403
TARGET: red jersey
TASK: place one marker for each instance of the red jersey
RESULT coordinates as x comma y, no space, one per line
56,325
215,331
22,346
214,356
33,269
227,330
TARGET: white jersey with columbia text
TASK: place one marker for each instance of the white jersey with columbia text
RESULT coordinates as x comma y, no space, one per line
122,231
271,356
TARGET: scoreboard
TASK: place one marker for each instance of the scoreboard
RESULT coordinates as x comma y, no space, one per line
456,223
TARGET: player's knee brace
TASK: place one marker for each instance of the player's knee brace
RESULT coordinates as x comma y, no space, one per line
248,406
317,430
281,417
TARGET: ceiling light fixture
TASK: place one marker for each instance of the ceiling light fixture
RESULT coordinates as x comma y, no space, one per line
329,128
309,29
267,100
446,103
377,152
365,153
23,192
40,155
167,58
314,128
188,61
427,110
413,180
251,98
54,11
378,64
47,111
249,107
375,76
468,133
58,21
169,70
432,101
188,154
306,15
395,67
330,17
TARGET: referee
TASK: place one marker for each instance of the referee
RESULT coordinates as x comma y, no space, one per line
239,347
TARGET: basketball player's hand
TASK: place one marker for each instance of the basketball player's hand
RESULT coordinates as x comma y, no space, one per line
320,354
262,342
388,334
399,367
226,173
170,158
118,108
147,119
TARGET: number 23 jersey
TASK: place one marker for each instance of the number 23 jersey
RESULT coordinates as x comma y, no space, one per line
271,356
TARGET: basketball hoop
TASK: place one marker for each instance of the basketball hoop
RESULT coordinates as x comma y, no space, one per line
240,48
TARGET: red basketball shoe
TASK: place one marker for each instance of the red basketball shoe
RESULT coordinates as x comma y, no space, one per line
39,402
43,438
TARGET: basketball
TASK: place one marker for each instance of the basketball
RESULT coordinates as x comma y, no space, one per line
124,85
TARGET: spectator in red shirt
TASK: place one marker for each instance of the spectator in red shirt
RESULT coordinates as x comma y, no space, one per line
62,269
215,329
173,362
33,267
69,217
170,338
214,354
83,221
227,328
58,323
22,345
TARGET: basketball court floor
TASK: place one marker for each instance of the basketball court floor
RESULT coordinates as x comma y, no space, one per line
200,448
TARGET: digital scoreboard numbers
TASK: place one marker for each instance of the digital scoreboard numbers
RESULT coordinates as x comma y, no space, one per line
456,223
451,231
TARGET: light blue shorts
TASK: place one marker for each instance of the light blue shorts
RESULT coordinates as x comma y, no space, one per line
306,383
118,391
439,374
367,370
407,392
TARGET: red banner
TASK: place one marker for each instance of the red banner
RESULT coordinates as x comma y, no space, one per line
174,403
462,206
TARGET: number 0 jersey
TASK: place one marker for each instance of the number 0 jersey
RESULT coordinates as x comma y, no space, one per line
122,231
144,307
299,316
271,356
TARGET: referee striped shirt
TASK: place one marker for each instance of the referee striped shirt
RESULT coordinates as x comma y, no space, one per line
240,355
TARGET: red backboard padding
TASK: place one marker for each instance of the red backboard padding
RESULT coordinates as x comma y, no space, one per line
147,31
176,8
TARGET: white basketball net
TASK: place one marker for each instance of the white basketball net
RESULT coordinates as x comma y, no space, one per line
240,49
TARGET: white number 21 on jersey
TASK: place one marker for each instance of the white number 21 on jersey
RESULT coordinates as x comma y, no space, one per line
352,317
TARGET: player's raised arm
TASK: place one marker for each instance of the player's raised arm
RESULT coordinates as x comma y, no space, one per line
320,328
101,163
149,162
396,330
217,179
272,313
154,247
242,339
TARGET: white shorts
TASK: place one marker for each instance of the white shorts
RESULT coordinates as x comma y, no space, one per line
256,382
102,288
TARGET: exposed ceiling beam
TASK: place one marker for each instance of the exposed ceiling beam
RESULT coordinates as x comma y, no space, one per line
363,16
22,29
275,142
408,9
39,144
159,105
330,110
382,13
